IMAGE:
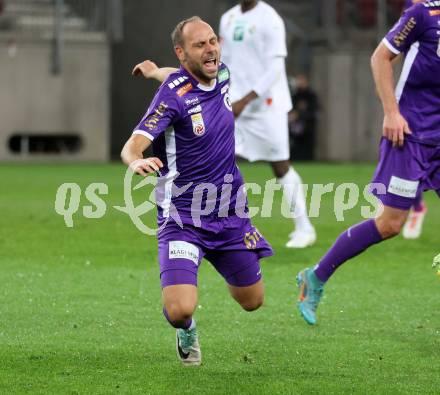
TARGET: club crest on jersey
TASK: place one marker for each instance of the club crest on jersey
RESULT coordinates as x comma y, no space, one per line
239,32
227,101
198,124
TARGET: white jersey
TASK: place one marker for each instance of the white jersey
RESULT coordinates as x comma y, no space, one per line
249,41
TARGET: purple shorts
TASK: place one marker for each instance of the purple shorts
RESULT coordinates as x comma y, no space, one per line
234,250
406,172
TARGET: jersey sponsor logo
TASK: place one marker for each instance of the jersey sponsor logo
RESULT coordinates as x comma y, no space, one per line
198,124
227,101
184,89
401,187
183,250
434,12
223,75
158,113
177,82
224,89
192,101
399,38
195,109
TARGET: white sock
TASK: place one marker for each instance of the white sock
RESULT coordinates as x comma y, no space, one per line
193,324
294,192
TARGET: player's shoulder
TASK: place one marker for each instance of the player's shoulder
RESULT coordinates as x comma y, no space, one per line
175,79
422,9
430,8
268,11
176,85
231,12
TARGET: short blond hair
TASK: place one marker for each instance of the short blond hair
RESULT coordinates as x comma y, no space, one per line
177,35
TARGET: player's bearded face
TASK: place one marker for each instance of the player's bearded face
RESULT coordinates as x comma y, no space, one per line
201,53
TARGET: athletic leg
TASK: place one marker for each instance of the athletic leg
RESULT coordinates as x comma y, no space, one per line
251,297
179,304
179,259
405,172
349,244
242,273
304,234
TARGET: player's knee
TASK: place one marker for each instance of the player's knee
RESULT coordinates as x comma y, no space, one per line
253,304
390,228
180,311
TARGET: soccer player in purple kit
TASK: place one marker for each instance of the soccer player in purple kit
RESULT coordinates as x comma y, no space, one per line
410,147
191,128
414,223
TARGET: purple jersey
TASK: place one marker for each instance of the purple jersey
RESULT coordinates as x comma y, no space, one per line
417,35
192,130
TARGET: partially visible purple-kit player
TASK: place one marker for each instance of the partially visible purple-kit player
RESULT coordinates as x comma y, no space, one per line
409,160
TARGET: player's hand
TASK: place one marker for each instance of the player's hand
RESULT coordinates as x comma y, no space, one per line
147,68
238,107
394,128
145,166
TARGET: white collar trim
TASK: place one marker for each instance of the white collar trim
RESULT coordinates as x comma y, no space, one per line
207,88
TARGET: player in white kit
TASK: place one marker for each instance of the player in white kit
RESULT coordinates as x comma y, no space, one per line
253,46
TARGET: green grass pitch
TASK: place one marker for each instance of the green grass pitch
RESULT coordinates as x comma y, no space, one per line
80,309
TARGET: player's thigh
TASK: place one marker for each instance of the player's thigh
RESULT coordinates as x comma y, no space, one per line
273,131
242,272
263,137
179,255
179,259
399,175
250,297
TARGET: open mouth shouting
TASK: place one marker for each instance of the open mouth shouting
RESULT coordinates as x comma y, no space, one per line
210,65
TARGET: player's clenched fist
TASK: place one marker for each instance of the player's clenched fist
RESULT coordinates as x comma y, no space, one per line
145,166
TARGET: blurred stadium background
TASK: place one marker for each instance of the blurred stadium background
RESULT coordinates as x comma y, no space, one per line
67,93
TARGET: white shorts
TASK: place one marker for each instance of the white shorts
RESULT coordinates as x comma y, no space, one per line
262,137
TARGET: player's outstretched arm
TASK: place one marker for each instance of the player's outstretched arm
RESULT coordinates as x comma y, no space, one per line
394,125
132,156
150,70
275,66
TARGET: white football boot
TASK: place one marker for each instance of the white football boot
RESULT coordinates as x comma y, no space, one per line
301,239
414,223
188,347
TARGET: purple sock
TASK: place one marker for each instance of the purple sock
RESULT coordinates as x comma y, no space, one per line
349,244
184,325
